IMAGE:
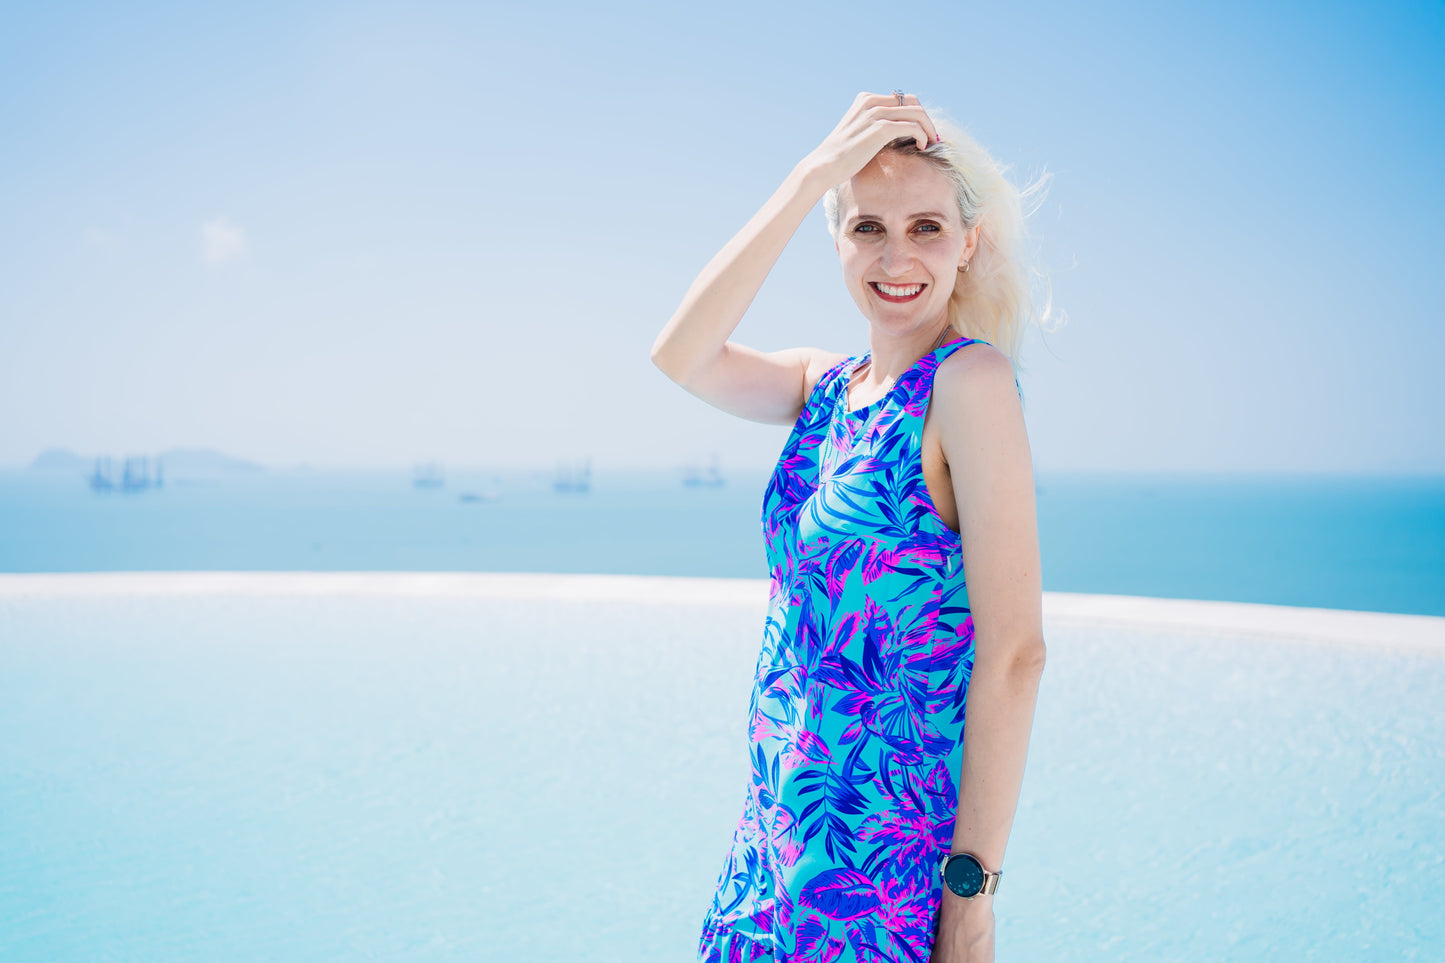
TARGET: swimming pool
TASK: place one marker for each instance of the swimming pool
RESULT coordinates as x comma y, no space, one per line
411,767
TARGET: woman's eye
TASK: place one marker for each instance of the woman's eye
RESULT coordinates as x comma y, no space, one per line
870,228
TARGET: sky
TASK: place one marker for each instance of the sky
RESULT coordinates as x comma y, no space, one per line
366,235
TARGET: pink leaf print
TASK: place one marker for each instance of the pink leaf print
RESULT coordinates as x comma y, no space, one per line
940,782
815,944
877,563
762,727
965,630
846,630
782,903
840,894
786,844
922,552
838,570
813,748
812,939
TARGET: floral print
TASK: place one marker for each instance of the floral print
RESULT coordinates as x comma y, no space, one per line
857,709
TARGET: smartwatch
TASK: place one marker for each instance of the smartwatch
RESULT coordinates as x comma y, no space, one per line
965,876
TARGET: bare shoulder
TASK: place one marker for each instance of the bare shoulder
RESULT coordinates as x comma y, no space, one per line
975,401
975,373
819,363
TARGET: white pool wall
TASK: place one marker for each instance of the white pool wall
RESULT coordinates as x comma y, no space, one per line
1273,622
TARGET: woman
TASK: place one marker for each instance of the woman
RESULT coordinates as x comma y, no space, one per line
905,468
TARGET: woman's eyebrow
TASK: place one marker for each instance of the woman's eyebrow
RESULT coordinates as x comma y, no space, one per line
912,217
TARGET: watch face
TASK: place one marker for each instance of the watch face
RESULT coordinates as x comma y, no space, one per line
963,874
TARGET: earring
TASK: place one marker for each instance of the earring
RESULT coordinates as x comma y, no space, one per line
964,269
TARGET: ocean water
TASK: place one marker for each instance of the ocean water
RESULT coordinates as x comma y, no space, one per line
430,779
1374,544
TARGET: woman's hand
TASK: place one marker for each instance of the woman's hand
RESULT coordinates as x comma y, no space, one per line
965,930
873,121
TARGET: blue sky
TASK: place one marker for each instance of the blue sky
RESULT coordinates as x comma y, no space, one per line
368,234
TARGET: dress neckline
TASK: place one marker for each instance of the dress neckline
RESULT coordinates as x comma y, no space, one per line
897,384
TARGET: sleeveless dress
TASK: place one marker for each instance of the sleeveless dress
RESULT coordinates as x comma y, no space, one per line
857,709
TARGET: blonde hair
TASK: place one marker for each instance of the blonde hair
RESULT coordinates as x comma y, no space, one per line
993,300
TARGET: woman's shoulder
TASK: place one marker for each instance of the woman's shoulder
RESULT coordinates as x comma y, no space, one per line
978,407
820,364
977,374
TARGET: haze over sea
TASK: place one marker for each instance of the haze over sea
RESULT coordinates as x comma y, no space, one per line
1373,543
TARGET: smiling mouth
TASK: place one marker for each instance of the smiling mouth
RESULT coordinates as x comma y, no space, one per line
897,293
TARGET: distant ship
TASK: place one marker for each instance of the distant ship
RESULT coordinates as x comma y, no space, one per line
478,496
135,475
100,478
574,478
427,475
711,477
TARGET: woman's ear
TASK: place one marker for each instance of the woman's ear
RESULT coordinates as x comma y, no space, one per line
970,247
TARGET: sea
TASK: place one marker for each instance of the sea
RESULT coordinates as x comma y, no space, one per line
1371,543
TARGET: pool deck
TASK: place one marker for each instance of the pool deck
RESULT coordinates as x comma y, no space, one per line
1396,632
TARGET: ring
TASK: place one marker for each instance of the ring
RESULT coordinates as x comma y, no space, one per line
899,95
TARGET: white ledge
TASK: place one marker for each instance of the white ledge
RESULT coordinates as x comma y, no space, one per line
1423,633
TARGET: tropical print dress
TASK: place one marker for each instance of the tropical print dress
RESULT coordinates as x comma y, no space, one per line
857,709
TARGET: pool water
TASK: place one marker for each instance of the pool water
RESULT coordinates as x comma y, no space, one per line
241,777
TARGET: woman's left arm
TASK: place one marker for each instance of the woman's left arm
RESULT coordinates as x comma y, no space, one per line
986,445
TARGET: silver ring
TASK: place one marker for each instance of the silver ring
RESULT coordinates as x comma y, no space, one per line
899,95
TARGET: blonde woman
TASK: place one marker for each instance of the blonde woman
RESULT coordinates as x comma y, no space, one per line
893,701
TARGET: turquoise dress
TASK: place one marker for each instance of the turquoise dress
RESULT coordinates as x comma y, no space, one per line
857,709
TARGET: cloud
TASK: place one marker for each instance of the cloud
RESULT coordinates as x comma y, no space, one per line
222,240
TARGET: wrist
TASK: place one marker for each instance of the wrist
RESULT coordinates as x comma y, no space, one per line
814,176
965,928
954,906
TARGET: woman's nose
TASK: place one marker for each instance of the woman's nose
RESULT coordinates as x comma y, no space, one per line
897,258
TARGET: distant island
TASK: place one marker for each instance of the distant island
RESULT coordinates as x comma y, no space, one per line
178,462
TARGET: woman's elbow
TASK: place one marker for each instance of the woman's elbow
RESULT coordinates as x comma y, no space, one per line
1028,656
1016,658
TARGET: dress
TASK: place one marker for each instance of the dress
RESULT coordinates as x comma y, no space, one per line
857,710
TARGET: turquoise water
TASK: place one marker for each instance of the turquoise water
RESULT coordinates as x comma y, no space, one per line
434,779
1353,543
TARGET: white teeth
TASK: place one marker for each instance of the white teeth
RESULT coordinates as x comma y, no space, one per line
893,292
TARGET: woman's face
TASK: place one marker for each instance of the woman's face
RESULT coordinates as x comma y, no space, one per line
899,227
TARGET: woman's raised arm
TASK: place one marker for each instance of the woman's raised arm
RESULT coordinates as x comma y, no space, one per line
693,348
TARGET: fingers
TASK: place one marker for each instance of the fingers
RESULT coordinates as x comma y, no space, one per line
887,106
873,99
870,124
914,116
